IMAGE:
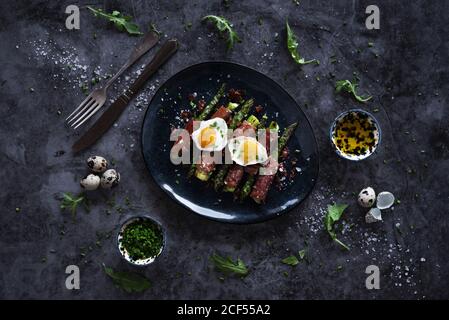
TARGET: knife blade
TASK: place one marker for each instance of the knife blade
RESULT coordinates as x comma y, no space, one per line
108,118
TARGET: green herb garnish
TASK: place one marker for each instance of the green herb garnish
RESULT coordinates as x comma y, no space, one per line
227,265
121,22
350,87
291,261
224,25
142,240
72,202
130,282
292,45
302,254
334,213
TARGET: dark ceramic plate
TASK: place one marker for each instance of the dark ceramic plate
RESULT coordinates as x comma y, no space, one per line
205,79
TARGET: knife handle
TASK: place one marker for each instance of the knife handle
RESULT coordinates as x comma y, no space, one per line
163,54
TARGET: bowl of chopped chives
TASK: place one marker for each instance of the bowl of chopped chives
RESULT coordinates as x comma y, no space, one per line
141,240
355,134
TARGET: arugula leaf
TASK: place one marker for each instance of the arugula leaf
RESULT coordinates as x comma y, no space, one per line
291,261
224,25
72,202
292,45
121,22
130,282
302,254
350,87
334,213
227,265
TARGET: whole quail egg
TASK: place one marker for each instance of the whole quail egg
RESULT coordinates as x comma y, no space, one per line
110,179
90,182
367,197
97,164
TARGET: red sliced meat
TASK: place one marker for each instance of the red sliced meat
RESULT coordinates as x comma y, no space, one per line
233,177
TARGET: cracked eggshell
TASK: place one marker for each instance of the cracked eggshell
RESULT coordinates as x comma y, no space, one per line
367,197
385,200
97,164
374,215
90,182
110,179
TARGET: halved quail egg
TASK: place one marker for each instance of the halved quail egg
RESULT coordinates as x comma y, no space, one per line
385,200
374,215
97,164
90,182
110,179
367,197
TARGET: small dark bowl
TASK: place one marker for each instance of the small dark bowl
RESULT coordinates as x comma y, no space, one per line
122,251
344,155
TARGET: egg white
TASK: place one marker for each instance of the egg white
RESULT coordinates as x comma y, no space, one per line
221,134
236,148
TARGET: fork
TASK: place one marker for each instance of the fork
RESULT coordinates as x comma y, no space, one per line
96,99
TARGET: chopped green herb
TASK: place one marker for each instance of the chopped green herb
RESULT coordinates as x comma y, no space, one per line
130,282
227,265
17,209
121,22
334,213
292,46
142,240
224,25
350,87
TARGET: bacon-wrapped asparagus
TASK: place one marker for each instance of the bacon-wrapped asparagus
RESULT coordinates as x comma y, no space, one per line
236,171
263,183
203,172
208,109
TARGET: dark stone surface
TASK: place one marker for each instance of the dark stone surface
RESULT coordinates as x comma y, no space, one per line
409,82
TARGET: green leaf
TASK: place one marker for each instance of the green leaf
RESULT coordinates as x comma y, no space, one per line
129,282
291,261
350,87
302,254
334,213
71,202
227,265
224,25
292,46
122,23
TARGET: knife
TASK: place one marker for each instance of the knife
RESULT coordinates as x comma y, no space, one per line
108,118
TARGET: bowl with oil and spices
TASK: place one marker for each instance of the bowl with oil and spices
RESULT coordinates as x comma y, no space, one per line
355,134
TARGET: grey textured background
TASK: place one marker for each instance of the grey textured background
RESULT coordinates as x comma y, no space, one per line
406,71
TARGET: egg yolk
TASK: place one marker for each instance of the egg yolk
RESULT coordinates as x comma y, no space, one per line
249,151
207,137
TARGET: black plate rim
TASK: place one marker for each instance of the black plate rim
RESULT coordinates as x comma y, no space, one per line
262,219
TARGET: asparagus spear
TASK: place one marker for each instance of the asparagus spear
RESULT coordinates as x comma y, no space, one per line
246,188
238,118
204,114
282,142
212,104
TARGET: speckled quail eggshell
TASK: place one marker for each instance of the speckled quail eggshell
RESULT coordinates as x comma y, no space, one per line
374,215
90,182
110,179
367,197
97,164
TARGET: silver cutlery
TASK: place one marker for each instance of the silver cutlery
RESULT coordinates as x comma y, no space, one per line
96,99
